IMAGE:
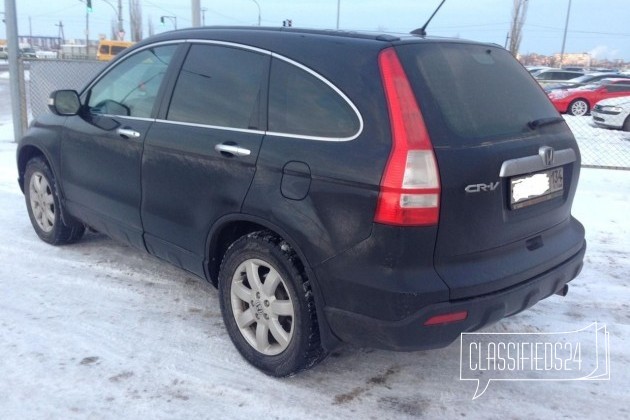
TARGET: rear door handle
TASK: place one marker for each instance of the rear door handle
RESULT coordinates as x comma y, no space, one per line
232,149
128,133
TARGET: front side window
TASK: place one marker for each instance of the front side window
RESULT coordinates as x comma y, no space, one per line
131,87
302,104
220,86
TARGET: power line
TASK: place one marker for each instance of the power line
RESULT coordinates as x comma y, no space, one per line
578,31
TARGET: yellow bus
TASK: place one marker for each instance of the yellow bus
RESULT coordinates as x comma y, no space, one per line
107,48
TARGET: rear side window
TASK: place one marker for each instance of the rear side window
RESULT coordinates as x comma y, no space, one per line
302,104
472,92
220,86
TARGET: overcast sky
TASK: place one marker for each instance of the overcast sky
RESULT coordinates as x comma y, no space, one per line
600,27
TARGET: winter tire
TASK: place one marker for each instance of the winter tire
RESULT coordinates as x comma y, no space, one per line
44,207
267,305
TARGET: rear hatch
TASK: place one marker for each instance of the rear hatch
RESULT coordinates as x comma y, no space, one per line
508,166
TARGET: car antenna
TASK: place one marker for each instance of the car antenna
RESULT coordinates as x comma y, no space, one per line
422,31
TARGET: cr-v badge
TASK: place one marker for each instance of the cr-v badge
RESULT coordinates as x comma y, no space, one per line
475,188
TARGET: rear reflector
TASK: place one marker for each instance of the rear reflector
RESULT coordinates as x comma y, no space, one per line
446,318
410,186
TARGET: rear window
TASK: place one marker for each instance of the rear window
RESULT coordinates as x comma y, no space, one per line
472,92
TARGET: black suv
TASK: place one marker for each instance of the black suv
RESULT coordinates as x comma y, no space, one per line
387,191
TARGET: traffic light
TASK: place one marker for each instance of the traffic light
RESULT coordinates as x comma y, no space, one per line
162,20
89,5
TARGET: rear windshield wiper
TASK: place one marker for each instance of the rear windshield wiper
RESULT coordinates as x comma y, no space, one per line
544,121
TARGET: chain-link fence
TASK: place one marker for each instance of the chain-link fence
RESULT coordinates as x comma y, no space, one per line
600,147
49,75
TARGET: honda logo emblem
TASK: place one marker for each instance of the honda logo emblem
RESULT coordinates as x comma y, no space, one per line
546,154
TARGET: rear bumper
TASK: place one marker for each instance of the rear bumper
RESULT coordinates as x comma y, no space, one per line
410,333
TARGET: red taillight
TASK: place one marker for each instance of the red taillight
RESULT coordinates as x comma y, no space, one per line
446,318
410,187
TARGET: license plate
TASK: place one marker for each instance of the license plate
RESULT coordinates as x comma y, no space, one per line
536,188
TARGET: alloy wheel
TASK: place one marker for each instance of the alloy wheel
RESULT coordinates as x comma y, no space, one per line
262,307
42,202
579,108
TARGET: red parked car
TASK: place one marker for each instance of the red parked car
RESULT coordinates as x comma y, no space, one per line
579,101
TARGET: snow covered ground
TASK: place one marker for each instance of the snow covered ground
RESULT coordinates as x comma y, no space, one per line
99,330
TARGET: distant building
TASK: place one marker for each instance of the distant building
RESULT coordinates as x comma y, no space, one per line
46,43
584,60
575,59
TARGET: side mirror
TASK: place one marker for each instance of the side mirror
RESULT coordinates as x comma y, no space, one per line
64,102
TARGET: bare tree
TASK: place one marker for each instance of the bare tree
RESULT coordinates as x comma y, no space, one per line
135,20
518,20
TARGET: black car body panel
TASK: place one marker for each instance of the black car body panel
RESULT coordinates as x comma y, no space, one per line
181,225
100,175
162,179
412,333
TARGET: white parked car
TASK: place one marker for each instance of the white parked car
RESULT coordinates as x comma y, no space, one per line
534,70
554,76
613,113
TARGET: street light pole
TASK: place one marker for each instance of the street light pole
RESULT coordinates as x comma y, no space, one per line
338,9
118,12
17,88
87,33
257,5
87,28
121,30
196,8
564,37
